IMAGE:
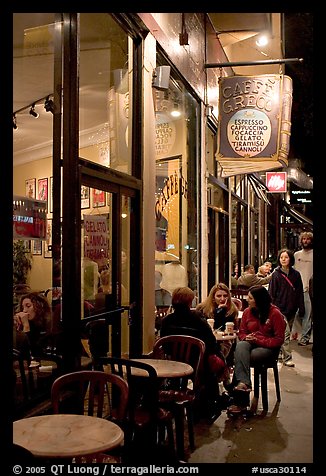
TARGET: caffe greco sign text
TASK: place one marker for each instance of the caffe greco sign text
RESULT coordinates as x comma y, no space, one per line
254,115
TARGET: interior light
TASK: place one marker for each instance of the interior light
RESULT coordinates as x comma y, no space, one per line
262,41
175,111
33,112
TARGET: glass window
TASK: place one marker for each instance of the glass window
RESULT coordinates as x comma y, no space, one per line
104,92
176,187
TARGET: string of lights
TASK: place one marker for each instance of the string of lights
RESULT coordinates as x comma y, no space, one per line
48,106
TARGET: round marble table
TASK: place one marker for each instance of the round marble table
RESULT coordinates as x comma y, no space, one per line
164,368
66,436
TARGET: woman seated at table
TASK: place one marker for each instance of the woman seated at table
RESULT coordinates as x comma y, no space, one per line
33,318
189,322
261,335
219,306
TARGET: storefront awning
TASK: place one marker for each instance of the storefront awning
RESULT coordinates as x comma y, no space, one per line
297,215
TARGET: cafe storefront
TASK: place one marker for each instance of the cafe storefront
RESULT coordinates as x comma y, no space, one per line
126,168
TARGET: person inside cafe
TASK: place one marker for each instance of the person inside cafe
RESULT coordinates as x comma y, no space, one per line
33,318
185,321
249,277
260,337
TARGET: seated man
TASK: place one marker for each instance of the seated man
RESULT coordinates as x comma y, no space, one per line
249,278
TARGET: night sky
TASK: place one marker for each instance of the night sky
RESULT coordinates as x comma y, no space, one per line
298,29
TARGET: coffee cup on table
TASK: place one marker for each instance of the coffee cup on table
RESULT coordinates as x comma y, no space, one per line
229,328
211,322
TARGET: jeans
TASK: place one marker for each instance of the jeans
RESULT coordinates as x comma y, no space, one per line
306,320
247,354
285,349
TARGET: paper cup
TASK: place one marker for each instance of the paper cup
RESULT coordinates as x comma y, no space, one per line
211,322
229,328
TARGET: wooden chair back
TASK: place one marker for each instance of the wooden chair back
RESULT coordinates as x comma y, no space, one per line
183,348
91,392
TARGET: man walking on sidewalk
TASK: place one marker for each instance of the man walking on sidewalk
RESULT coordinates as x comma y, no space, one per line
304,264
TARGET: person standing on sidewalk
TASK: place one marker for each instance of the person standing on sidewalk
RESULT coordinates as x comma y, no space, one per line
303,262
286,290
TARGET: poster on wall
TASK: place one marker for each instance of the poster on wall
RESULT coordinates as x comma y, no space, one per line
42,189
48,241
98,198
255,123
36,247
84,196
30,188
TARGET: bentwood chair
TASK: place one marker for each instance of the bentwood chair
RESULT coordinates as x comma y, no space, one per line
148,423
180,398
94,393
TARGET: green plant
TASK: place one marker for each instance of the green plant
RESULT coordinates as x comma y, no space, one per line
22,262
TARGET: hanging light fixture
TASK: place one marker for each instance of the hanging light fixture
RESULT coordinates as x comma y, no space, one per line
14,121
33,112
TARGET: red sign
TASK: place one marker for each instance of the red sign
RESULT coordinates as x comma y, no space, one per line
29,218
276,181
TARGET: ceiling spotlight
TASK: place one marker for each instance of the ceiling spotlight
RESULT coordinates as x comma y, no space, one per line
262,41
14,122
33,112
49,105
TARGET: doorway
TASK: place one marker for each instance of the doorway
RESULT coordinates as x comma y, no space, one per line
109,258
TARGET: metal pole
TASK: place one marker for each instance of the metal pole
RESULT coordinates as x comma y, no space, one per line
252,63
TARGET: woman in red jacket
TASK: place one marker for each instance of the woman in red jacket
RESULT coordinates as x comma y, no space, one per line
261,335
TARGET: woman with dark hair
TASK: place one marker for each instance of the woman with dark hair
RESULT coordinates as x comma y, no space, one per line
261,335
286,290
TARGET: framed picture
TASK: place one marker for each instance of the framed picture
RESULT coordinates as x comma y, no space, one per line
36,247
85,199
30,188
98,198
42,189
48,241
51,196
27,244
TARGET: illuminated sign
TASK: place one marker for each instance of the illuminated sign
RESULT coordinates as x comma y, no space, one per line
276,181
29,218
255,123
300,196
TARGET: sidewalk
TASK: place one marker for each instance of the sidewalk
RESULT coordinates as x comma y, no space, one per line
284,435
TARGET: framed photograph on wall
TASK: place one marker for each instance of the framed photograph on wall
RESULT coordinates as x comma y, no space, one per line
98,198
51,196
42,189
27,244
30,188
48,241
84,196
36,247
